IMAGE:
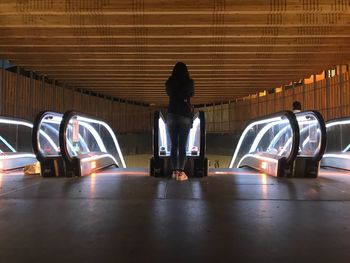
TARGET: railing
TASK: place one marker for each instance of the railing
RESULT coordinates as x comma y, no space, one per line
313,138
15,144
313,134
337,153
46,143
88,144
268,144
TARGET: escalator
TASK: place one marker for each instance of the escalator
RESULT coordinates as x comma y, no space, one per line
15,144
46,143
268,144
313,140
337,153
283,144
197,163
74,144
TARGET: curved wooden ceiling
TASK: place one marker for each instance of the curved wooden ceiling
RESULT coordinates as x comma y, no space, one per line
127,48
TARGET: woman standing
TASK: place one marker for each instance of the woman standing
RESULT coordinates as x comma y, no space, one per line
179,88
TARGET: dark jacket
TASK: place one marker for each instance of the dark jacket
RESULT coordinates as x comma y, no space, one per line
179,93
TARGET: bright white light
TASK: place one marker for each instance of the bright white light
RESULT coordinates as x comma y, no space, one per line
334,155
340,122
24,123
16,156
245,133
7,144
263,132
162,133
15,122
193,131
262,158
346,149
97,157
48,138
112,135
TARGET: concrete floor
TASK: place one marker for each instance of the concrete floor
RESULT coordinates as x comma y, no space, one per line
126,216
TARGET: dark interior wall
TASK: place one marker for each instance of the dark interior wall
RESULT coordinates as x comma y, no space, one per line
140,143
221,143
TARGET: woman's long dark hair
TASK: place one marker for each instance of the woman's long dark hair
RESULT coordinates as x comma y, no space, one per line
180,72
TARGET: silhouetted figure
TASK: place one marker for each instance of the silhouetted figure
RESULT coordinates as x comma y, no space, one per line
179,88
296,106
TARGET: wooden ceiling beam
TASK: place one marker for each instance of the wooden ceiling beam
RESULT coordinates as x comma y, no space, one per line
272,32
177,20
267,49
113,41
158,7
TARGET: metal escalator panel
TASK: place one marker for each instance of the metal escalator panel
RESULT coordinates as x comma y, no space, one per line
88,144
268,144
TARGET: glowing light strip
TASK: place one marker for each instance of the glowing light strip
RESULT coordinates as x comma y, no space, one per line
334,155
24,123
112,135
7,144
346,149
16,122
16,156
340,122
53,118
263,158
162,133
262,132
97,157
277,137
245,133
193,132
95,134
48,138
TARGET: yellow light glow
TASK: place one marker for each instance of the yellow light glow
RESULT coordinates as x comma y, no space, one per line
262,94
93,164
93,183
278,90
309,80
264,186
320,76
264,165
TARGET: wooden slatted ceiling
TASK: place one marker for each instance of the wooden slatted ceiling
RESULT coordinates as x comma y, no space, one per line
127,48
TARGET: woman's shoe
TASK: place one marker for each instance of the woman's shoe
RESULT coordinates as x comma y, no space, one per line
182,176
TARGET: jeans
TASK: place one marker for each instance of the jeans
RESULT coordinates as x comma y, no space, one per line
178,127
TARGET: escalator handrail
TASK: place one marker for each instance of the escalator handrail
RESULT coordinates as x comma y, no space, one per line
35,134
203,137
340,119
63,129
295,134
323,131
